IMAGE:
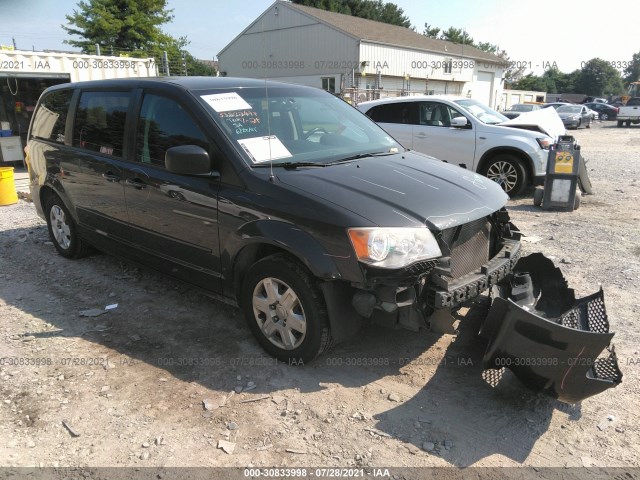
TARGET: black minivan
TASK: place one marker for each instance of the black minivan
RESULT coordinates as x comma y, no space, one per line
281,199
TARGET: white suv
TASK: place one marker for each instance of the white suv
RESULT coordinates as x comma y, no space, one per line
465,132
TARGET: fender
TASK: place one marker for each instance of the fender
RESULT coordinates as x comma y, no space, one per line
285,236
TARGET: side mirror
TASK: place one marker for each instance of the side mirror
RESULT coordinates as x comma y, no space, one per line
459,122
187,160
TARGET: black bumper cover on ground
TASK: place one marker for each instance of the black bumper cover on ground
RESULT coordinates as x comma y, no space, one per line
551,341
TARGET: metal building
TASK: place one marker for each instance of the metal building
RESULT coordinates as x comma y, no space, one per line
358,58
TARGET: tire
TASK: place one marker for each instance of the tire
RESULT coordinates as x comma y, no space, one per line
578,125
620,122
281,278
583,178
604,116
576,202
538,195
588,125
508,172
63,230
628,123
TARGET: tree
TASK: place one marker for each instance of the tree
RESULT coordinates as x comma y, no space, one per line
431,32
370,9
456,35
632,71
123,24
132,28
598,78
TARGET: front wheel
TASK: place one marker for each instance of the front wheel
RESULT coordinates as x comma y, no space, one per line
285,309
508,172
588,125
63,230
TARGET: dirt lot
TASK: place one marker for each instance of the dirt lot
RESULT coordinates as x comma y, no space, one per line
152,382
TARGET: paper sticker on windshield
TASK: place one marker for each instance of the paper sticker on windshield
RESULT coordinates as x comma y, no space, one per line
263,149
226,102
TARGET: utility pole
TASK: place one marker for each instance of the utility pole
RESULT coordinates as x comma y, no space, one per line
14,43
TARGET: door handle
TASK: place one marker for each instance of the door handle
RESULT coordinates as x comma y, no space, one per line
136,183
421,135
111,177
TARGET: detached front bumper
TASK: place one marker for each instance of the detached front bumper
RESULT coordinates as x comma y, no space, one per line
551,341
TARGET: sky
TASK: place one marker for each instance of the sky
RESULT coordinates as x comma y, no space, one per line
537,33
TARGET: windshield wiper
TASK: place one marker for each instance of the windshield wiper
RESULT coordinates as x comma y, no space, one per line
361,155
291,165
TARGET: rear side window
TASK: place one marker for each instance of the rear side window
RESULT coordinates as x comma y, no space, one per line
164,124
51,116
403,112
633,102
100,121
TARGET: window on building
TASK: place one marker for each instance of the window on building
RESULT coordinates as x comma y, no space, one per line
448,66
51,117
164,124
329,84
100,122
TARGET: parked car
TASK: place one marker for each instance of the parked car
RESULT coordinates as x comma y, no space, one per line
467,133
288,202
555,104
605,111
515,110
593,113
629,113
283,199
594,100
574,116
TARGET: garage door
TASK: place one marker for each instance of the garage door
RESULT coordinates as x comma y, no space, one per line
484,88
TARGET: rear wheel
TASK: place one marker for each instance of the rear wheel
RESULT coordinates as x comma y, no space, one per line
508,172
603,116
63,230
285,309
620,122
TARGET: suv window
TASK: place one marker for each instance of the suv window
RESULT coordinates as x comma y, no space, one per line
100,122
163,124
51,117
436,114
402,112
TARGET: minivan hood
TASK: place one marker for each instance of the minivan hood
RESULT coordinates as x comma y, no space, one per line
402,190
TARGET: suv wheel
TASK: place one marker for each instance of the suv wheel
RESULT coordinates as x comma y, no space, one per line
508,172
285,309
63,230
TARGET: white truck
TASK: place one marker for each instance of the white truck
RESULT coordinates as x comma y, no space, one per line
629,113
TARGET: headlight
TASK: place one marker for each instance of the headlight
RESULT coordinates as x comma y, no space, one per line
393,247
545,142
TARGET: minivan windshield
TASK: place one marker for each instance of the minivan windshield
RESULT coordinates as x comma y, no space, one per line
293,126
482,112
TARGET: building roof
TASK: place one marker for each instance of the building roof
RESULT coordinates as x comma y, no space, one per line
370,30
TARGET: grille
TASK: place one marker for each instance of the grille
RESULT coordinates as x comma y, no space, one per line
588,314
606,368
469,246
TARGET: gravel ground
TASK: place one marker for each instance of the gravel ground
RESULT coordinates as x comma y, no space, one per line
171,378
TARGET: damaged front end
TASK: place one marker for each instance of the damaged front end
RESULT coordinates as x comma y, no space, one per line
551,341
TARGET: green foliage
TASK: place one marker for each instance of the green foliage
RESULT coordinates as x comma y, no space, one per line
370,9
456,35
598,78
131,28
632,72
121,24
431,32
